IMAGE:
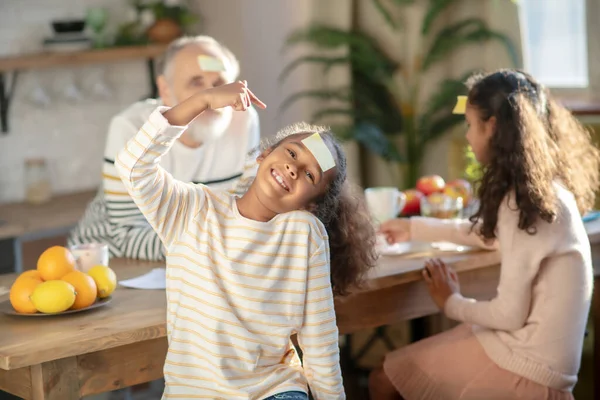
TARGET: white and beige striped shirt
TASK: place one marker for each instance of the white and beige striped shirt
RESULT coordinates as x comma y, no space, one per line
237,289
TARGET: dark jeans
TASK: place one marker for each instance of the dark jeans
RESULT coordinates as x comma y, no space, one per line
294,395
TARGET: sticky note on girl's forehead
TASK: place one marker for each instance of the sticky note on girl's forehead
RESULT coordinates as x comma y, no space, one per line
461,105
210,64
315,144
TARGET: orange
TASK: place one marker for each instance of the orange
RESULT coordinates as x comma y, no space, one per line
33,273
85,288
20,293
55,262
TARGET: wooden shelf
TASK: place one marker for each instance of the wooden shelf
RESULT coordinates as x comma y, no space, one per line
71,58
582,106
12,65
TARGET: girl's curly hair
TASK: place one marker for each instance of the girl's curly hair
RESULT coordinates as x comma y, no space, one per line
343,211
536,141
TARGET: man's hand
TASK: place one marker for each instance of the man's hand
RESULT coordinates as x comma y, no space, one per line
442,281
235,95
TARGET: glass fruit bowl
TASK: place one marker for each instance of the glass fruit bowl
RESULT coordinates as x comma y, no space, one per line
439,205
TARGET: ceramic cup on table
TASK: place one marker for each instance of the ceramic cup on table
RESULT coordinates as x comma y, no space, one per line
384,203
90,254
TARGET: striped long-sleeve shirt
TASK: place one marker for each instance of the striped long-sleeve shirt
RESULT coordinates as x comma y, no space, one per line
113,218
237,289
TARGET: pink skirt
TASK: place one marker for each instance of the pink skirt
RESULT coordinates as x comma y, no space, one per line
453,365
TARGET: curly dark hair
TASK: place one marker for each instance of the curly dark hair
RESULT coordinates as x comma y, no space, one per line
536,141
344,213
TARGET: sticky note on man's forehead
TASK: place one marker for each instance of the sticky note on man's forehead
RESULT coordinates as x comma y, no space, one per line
461,105
315,144
210,64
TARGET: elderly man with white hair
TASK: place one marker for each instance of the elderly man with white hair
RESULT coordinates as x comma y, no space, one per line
212,151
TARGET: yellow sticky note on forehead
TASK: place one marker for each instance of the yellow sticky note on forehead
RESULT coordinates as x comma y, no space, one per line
315,144
461,105
210,64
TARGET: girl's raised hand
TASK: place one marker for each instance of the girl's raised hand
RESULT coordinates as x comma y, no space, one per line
235,95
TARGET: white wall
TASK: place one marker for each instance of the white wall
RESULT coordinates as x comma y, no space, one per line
72,136
255,30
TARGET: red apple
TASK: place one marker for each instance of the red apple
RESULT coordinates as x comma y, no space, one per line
459,188
430,184
413,202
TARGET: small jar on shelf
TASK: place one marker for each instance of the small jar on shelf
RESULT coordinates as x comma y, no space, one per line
38,189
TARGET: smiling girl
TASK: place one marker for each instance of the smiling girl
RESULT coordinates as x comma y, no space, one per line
245,274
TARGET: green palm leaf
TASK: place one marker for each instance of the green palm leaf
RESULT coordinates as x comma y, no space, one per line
333,111
363,51
374,140
341,94
325,37
385,14
376,103
468,31
436,7
328,63
445,98
439,126
343,132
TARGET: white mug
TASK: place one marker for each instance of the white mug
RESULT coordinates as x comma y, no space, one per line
89,255
384,203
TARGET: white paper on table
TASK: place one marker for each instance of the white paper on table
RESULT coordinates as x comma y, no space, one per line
155,279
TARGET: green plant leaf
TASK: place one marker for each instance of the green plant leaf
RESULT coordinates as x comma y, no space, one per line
473,170
438,127
374,140
332,111
444,99
376,103
462,33
363,51
342,94
436,7
327,62
325,37
343,132
387,16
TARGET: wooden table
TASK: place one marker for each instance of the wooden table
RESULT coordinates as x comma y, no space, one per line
124,343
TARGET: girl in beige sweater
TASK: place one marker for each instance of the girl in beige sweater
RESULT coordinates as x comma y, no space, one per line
540,174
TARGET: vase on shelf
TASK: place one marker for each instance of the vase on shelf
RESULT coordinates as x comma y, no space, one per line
96,19
164,30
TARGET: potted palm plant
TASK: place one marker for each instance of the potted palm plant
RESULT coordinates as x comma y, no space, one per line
380,108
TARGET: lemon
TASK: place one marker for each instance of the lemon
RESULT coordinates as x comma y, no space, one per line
105,278
54,296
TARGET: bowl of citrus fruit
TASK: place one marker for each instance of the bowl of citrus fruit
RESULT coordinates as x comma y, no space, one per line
57,287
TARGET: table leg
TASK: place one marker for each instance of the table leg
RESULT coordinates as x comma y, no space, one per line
596,316
55,380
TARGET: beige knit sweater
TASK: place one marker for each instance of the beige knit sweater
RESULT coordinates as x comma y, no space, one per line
535,325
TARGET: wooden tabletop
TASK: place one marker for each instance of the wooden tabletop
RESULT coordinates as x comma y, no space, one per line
130,317
17,219
136,315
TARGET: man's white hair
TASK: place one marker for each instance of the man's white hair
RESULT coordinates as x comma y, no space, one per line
232,66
